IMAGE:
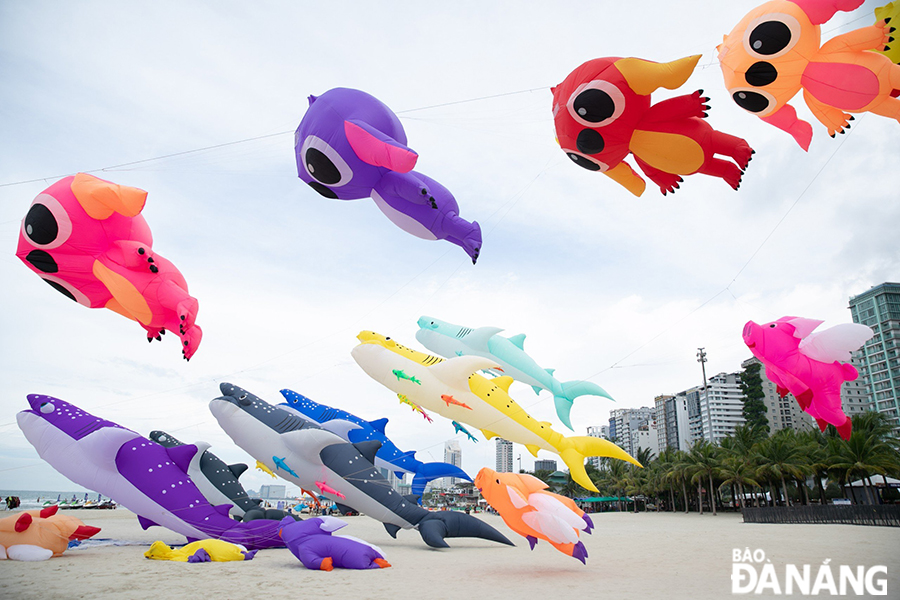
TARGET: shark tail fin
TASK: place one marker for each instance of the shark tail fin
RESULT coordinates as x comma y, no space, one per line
434,527
565,396
590,446
433,470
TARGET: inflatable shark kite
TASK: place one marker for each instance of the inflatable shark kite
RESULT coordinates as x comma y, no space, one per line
509,355
480,402
354,430
141,475
344,472
219,481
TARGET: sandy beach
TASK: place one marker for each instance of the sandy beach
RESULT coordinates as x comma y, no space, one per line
647,555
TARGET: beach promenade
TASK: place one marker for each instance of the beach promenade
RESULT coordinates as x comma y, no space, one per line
640,556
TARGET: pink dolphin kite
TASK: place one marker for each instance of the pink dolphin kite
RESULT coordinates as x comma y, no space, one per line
87,239
811,366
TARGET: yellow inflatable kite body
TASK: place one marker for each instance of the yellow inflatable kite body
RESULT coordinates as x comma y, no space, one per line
453,389
200,551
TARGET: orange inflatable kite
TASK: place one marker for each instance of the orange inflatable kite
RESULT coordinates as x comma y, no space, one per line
531,511
39,534
775,52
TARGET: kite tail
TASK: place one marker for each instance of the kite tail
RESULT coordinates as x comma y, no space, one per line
585,446
434,527
428,471
565,396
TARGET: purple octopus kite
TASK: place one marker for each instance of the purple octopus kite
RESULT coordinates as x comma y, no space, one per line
349,145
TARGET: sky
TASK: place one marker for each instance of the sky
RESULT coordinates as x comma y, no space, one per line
608,287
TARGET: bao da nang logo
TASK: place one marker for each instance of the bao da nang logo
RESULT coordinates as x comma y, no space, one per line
753,573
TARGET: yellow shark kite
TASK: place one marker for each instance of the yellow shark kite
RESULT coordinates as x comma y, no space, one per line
489,406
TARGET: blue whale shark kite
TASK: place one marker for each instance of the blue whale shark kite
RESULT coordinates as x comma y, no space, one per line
450,340
354,429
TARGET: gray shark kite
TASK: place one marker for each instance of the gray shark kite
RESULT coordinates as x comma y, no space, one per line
344,472
218,481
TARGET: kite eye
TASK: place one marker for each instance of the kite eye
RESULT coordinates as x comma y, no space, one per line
754,101
47,407
244,400
47,224
498,481
772,35
596,103
773,326
324,164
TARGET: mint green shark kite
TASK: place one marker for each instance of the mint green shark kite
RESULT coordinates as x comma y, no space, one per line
450,340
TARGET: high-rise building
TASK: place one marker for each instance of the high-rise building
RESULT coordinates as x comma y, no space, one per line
721,406
879,308
623,422
645,438
782,413
545,464
598,431
504,463
452,455
673,430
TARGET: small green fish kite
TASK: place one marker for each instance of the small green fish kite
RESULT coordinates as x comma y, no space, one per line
400,374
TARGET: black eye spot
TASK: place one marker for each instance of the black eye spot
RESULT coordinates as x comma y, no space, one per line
498,481
61,289
594,106
751,101
40,224
323,190
770,38
321,167
772,325
760,74
42,261
583,162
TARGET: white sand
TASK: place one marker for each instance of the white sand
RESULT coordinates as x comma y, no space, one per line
645,556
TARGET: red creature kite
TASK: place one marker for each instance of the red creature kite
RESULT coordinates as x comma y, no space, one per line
602,112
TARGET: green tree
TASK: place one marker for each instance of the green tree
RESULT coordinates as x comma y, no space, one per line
755,411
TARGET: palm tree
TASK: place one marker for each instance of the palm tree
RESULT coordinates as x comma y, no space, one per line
781,457
736,471
860,457
704,465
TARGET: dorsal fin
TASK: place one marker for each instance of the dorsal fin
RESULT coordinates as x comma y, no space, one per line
518,341
455,372
182,455
223,509
379,424
238,469
503,382
550,371
369,449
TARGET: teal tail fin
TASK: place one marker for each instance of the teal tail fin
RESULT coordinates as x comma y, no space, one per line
571,390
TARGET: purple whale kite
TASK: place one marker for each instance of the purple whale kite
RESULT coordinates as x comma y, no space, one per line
349,145
143,476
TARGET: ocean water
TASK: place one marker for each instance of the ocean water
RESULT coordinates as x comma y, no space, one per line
31,499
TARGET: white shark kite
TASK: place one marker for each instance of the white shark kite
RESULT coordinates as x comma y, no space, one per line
450,340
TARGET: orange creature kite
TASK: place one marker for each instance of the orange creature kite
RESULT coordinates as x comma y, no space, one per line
602,113
531,511
39,534
776,51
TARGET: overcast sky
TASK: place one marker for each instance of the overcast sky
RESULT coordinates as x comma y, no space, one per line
608,287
